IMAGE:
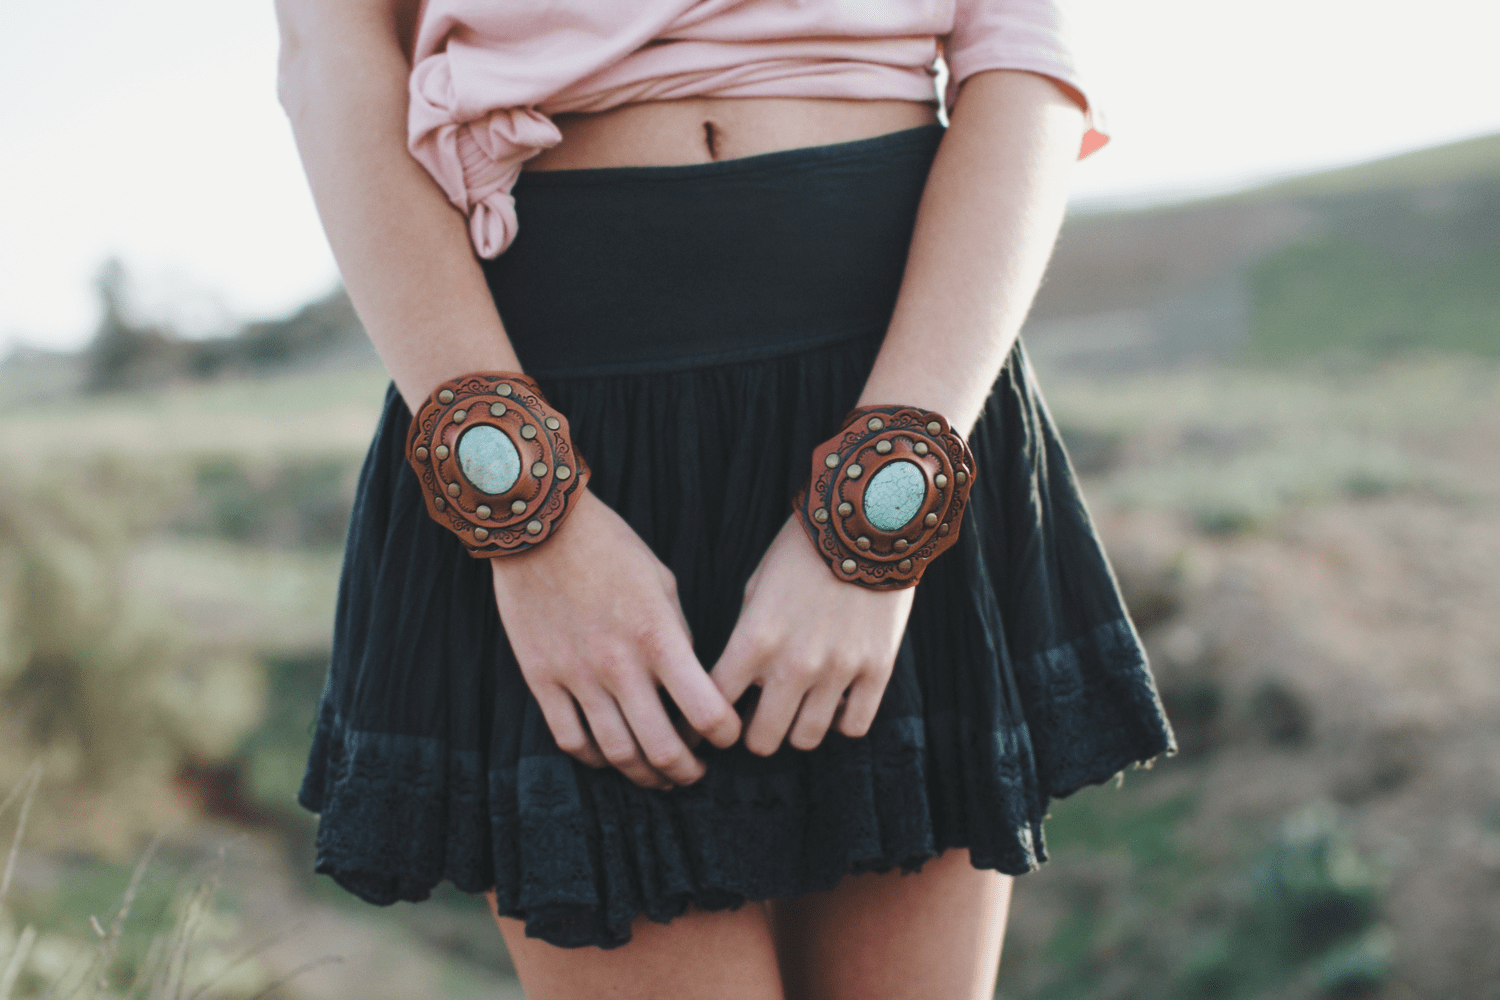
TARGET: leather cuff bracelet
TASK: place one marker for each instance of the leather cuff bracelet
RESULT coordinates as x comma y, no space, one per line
887,494
495,462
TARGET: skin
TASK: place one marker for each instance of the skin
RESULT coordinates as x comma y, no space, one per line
592,615
936,934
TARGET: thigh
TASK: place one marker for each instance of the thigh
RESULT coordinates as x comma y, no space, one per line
934,934
702,955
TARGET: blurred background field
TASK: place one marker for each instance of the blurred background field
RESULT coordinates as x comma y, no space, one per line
1285,407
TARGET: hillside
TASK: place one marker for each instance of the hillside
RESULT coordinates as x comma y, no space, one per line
1401,254
1457,162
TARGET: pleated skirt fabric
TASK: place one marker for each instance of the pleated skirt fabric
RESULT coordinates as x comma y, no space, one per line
703,327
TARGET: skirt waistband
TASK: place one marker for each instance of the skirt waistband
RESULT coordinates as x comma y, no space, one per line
614,270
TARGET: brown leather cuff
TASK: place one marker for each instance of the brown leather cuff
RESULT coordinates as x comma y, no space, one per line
495,462
887,495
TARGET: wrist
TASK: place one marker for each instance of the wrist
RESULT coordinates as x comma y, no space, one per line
931,388
583,521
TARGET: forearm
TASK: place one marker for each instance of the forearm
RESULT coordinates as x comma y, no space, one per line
402,249
989,215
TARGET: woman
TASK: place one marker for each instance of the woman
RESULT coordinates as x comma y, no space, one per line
737,219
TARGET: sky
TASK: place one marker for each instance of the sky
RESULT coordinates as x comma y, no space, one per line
150,132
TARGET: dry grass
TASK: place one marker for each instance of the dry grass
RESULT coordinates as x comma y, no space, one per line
187,960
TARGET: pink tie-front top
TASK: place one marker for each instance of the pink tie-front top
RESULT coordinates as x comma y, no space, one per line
487,73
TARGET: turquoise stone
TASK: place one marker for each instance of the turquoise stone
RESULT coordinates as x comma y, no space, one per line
894,496
489,459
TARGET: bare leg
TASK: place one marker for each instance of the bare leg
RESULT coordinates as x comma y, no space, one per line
934,935
723,955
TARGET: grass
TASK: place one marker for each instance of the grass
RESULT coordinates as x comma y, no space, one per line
159,939
1238,448
294,416
255,599
1335,294
1295,911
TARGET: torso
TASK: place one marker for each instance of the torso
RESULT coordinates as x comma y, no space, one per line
705,129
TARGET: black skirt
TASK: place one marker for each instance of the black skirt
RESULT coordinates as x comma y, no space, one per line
703,327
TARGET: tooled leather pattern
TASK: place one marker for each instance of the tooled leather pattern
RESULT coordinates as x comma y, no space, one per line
506,532
880,566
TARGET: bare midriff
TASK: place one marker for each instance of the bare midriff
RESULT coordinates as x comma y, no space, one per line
707,129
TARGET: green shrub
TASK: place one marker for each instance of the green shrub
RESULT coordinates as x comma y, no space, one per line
109,690
294,502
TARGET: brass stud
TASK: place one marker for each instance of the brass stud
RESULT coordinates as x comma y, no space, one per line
832,461
856,470
518,507
943,528
503,389
920,447
845,509
862,543
497,409
552,423
875,424
563,472
442,452
533,527
421,454
539,469
528,431
440,503
930,520
902,545
459,416
480,534
446,396
848,566
941,480
883,447
483,512
934,428
821,515
453,489
904,565
961,477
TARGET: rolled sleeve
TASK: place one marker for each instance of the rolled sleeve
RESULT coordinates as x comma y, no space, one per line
1028,35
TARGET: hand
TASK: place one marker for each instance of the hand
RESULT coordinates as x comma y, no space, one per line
817,646
594,621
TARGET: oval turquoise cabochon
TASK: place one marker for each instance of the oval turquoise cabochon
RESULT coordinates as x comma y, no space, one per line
894,495
489,459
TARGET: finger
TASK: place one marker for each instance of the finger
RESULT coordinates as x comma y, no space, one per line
838,713
695,694
689,735
742,661
568,732
780,698
864,702
658,740
616,743
687,629
816,713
